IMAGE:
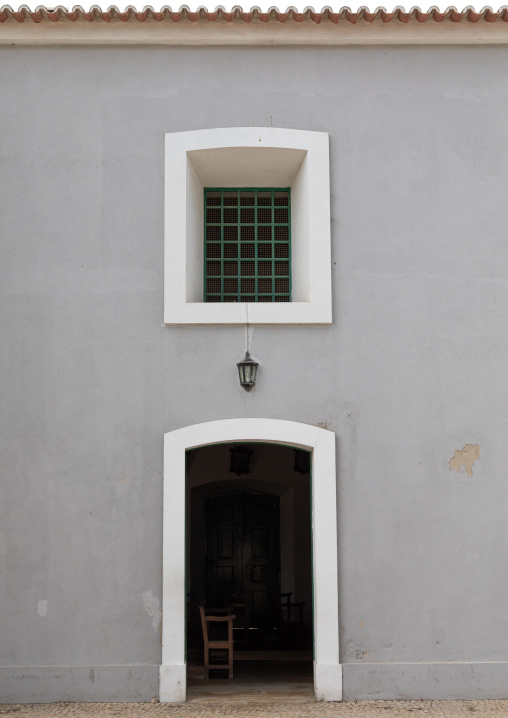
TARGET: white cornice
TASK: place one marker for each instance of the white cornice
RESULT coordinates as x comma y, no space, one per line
83,32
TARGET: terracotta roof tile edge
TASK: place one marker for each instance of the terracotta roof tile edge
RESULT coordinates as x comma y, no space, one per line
238,14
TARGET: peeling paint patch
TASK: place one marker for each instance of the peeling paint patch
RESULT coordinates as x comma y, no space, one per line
42,608
152,606
465,458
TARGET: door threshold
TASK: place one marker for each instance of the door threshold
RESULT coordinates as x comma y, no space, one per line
272,655
224,691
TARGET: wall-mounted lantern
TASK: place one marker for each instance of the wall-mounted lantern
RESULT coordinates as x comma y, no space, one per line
247,370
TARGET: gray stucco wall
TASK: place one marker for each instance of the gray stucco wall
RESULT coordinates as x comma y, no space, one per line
413,368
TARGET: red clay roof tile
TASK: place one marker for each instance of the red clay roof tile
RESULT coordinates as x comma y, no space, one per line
237,14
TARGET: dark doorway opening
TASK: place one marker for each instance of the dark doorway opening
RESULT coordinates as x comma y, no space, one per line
249,549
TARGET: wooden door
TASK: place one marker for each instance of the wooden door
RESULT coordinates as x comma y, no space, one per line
243,556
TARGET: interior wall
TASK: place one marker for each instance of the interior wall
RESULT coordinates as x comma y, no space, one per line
271,471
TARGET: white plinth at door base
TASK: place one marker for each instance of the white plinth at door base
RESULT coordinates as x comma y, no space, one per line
328,681
172,683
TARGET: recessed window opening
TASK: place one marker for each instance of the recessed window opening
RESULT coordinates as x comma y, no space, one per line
249,554
247,244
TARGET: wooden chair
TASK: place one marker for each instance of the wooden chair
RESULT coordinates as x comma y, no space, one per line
217,645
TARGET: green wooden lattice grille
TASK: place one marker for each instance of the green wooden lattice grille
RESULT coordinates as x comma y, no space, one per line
247,245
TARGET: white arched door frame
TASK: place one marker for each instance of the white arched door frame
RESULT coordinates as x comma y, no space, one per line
327,668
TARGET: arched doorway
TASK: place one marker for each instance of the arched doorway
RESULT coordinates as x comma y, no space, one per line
327,669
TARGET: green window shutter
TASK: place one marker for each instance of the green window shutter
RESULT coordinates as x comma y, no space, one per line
247,244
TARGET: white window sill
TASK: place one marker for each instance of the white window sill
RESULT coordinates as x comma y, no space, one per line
248,313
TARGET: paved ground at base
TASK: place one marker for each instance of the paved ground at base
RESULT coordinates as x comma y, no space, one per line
259,708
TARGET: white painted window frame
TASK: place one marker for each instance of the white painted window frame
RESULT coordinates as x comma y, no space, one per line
247,157
327,668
